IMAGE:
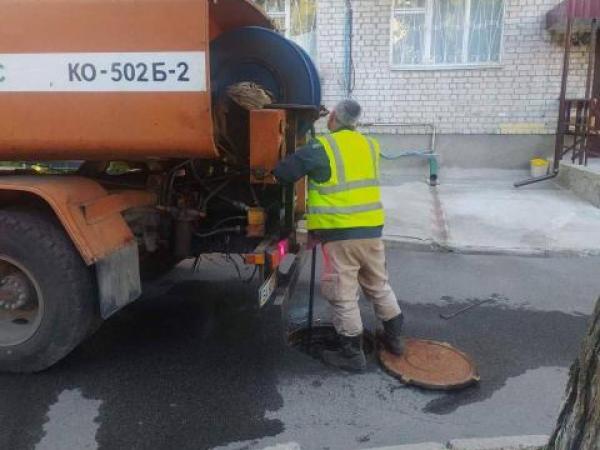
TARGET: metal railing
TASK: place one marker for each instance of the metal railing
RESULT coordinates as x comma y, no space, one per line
579,130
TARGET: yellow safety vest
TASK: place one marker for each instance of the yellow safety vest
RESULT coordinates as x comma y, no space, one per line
351,198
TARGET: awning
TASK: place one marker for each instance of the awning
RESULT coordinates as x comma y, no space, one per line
581,11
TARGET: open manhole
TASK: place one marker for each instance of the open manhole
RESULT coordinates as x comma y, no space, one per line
431,365
20,321
323,337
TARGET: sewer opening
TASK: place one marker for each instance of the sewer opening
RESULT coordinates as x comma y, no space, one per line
20,321
323,337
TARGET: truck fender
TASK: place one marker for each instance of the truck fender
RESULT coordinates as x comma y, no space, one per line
92,219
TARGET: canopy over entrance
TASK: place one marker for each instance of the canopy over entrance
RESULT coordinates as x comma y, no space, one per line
582,12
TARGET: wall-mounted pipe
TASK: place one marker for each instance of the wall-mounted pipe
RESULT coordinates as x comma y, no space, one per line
349,75
430,126
529,181
429,154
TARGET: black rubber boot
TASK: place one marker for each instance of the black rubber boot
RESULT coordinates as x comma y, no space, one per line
350,356
392,335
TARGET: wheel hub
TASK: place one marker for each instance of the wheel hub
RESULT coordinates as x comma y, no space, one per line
15,292
21,305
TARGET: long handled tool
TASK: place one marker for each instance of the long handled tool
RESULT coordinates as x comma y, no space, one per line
465,309
311,298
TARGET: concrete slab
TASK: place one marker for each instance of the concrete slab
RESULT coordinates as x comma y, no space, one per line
594,164
503,218
479,211
500,443
582,181
409,208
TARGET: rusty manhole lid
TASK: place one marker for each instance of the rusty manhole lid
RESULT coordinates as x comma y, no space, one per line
431,365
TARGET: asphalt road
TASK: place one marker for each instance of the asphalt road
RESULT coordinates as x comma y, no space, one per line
193,366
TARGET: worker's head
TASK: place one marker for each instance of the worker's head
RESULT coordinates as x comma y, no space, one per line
345,115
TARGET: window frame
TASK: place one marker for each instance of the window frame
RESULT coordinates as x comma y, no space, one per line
427,10
286,14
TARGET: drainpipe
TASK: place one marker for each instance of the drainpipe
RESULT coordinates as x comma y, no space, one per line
348,58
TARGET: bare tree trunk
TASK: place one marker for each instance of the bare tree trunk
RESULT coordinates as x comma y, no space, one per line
578,426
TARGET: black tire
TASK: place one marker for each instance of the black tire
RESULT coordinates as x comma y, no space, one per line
38,243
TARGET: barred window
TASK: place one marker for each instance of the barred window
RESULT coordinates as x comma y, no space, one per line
296,19
446,32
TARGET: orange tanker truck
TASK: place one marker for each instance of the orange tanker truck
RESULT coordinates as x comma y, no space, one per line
135,134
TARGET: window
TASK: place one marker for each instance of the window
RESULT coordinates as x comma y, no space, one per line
278,11
446,32
296,19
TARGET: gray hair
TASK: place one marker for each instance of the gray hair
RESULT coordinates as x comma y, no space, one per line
347,113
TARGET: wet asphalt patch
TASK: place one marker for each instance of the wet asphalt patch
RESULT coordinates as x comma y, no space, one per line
193,369
196,367
504,342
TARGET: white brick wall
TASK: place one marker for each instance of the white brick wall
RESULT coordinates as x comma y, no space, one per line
524,90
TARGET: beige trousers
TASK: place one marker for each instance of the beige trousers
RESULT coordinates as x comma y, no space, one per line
347,265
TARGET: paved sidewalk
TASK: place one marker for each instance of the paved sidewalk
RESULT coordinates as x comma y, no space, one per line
479,211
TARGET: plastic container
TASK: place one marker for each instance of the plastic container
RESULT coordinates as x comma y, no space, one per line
539,167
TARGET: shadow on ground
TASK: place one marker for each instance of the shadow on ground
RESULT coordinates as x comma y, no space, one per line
504,342
194,368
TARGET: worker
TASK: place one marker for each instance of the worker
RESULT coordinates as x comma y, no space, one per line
346,215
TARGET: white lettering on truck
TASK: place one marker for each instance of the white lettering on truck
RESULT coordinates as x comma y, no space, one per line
104,72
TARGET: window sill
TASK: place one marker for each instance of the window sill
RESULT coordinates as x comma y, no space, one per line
436,67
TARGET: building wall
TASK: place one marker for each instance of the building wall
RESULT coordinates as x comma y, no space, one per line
518,98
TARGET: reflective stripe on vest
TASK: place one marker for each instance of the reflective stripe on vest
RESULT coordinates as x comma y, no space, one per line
344,187
339,161
342,184
351,198
344,209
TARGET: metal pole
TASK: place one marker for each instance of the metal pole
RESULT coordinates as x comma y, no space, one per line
591,60
529,181
311,299
560,137
589,87
596,83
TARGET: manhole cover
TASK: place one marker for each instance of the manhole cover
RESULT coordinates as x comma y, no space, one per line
431,365
323,337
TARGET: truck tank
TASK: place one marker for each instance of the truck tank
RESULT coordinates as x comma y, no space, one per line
132,79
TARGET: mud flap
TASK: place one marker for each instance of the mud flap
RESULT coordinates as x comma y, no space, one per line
118,280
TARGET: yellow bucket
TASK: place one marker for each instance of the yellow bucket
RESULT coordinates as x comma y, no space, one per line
539,167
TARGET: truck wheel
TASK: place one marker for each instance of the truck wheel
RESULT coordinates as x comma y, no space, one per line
48,300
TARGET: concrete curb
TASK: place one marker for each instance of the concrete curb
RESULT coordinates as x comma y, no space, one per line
423,446
534,442
581,181
428,245
501,443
